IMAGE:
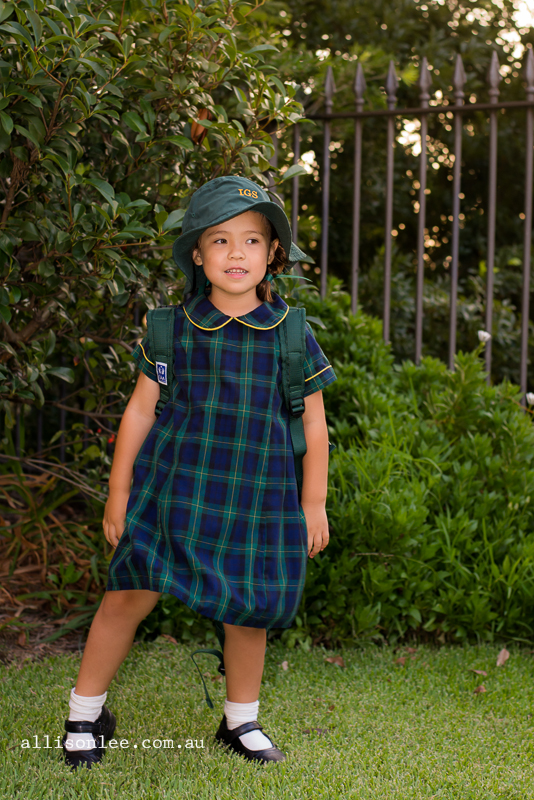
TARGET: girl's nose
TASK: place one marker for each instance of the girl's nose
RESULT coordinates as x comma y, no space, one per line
236,253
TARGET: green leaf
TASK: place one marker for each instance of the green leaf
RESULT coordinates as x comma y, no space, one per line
72,128
134,121
16,30
64,373
59,160
25,132
78,211
183,141
7,122
164,35
278,83
114,255
6,9
174,219
51,344
262,48
31,98
36,288
140,203
5,143
292,172
106,190
39,393
127,44
95,66
5,313
36,24
161,217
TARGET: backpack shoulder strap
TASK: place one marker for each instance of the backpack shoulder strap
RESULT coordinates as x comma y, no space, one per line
160,326
293,352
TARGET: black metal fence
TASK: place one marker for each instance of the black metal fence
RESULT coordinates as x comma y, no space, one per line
457,110
448,112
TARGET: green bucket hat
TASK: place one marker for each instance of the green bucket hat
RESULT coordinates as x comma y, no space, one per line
217,201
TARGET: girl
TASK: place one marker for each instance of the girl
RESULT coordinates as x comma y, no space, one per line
213,515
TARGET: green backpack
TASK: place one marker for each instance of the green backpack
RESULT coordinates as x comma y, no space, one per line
160,327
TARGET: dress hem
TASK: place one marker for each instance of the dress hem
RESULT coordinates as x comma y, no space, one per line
229,619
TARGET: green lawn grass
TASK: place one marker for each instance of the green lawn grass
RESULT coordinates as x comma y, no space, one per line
410,731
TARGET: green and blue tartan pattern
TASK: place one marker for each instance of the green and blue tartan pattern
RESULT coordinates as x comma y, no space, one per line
213,515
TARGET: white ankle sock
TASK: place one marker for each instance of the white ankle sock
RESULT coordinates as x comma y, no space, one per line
238,713
83,709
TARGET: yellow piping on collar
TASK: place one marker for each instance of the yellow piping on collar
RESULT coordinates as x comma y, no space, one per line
256,327
207,329
259,328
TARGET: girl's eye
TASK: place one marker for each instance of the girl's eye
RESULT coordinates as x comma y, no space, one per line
252,240
220,240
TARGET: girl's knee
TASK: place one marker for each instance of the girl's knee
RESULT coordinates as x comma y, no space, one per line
244,631
133,604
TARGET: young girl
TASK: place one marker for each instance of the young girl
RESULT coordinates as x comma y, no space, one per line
212,514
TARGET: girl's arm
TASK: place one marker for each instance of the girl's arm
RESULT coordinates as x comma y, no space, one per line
315,473
136,422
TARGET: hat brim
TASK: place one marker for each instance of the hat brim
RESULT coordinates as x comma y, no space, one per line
185,243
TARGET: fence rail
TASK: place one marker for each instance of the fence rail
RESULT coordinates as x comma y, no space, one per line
457,110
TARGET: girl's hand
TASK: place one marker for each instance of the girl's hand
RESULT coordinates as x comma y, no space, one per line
317,525
114,516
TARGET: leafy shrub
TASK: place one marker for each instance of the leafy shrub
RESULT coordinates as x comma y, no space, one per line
110,117
430,487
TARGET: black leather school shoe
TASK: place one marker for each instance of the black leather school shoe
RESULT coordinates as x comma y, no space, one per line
231,738
103,727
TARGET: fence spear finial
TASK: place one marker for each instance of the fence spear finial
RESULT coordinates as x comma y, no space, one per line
424,82
494,77
359,84
458,80
392,85
529,73
329,89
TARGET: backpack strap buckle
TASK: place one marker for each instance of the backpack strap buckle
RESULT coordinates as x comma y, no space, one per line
160,405
296,406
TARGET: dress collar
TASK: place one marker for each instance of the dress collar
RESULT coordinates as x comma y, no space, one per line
201,312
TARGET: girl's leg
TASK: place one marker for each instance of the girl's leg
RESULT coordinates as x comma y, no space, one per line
111,637
244,656
108,644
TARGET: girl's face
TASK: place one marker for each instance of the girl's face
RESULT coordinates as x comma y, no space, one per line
235,254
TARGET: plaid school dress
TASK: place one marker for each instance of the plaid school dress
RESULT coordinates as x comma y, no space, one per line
214,516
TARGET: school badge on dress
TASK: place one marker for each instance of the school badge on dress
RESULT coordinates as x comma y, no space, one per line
161,370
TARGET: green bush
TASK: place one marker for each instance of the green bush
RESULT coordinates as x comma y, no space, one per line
430,487
100,150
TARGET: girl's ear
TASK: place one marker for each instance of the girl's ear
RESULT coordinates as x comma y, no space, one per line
196,256
272,250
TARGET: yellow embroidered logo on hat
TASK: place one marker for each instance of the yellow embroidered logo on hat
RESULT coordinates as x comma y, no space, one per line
247,193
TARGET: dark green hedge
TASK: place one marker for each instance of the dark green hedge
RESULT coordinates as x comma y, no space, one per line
432,524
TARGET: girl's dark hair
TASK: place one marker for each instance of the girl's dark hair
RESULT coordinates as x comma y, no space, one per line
277,265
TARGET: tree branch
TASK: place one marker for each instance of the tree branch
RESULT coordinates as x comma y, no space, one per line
87,413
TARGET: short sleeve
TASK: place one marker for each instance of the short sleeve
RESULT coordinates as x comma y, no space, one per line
318,371
144,360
